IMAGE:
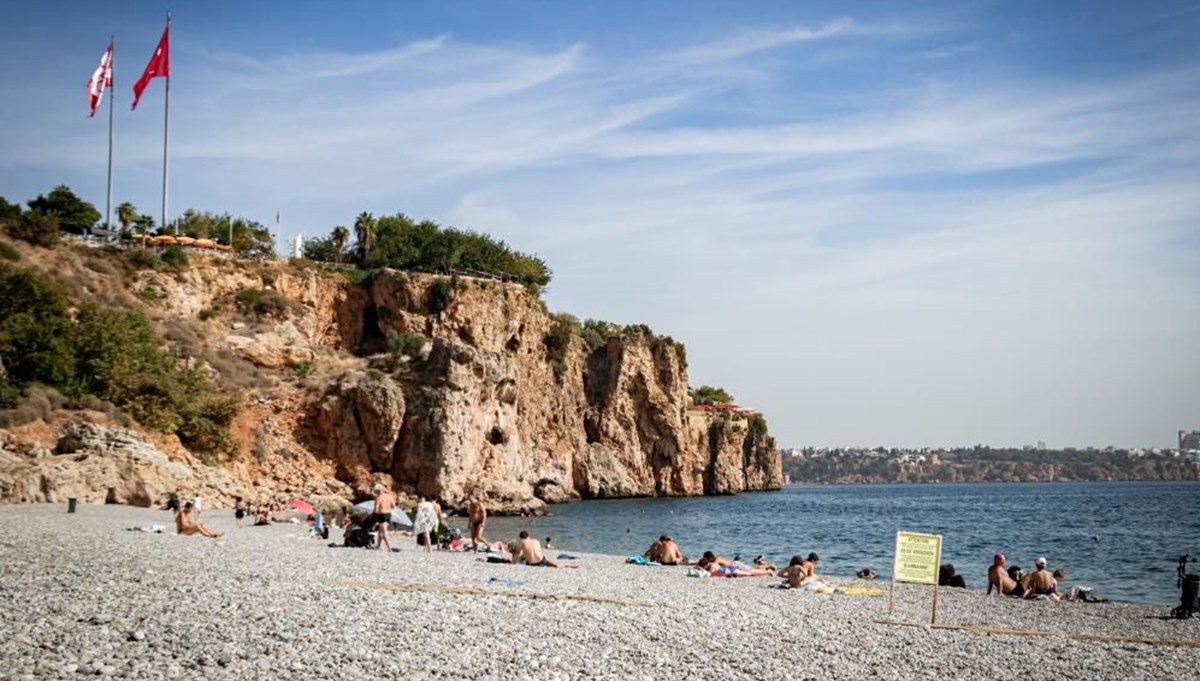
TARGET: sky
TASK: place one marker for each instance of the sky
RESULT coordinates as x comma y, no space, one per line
899,224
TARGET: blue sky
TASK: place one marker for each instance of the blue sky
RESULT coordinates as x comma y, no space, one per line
880,223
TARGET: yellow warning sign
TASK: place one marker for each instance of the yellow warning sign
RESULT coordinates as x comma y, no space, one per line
917,557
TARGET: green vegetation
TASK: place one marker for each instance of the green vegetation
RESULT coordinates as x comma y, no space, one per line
248,237
263,302
9,211
305,368
397,241
39,229
7,252
597,332
175,257
149,293
73,213
440,294
85,349
405,344
758,425
707,394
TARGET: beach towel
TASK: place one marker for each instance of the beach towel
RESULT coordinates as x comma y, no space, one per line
566,556
696,572
859,591
152,529
638,560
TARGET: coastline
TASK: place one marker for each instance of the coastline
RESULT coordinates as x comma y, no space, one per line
272,602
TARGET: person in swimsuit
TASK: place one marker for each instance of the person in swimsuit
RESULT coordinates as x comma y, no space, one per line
381,515
239,510
477,518
669,553
529,551
186,523
794,574
1000,580
1040,582
723,567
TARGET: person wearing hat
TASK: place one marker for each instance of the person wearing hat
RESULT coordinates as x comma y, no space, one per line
1040,582
381,514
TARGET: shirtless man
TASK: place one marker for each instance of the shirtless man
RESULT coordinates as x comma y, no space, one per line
723,567
530,551
1040,582
668,551
381,514
999,579
186,524
477,518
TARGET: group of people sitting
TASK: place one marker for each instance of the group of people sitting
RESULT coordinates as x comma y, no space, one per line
1012,581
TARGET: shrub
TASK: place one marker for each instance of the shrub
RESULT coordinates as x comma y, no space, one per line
707,394
37,228
175,257
263,302
440,294
305,369
207,314
7,252
405,344
9,393
137,259
597,332
149,293
758,425
374,375
558,339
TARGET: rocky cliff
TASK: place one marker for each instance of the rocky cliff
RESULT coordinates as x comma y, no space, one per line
442,387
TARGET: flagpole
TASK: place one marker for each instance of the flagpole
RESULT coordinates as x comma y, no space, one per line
112,96
166,137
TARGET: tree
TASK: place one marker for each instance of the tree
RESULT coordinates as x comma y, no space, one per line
706,394
252,238
36,227
339,238
126,214
74,214
144,222
364,233
321,249
9,211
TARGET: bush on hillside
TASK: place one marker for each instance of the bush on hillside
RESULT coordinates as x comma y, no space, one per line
85,349
707,394
37,228
7,252
264,302
175,257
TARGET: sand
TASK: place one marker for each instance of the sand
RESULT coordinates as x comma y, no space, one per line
83,596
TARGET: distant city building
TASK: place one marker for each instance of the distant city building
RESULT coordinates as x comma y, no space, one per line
1189,439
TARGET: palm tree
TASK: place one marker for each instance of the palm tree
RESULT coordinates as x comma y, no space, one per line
340,236
126,214
364,232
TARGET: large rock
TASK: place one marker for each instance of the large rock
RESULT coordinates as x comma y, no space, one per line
102,464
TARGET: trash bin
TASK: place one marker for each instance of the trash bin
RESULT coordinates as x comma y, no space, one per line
71,505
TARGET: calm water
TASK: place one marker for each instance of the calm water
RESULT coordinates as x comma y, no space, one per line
1142,528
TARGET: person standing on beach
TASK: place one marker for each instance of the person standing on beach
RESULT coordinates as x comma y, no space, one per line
476,518
424,522
196,506
999,579
240,509
381,514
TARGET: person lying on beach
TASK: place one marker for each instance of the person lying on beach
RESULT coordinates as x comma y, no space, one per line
794,574
529,551
760,561
186,524
1000,580
1040,582
723,567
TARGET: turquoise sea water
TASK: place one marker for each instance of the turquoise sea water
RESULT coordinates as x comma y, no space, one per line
1123,539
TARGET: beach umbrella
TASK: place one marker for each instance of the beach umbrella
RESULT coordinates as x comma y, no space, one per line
301,505
165,239
185,240
398,517
205,243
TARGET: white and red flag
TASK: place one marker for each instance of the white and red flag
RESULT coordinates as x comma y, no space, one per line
101,78
160,65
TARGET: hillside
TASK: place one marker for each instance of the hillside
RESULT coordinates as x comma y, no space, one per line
286,378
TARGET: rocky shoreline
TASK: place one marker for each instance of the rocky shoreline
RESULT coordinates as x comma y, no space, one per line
84,596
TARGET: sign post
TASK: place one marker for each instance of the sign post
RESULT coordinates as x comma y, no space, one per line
917,559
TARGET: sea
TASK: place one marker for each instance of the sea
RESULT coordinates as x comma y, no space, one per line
1123,539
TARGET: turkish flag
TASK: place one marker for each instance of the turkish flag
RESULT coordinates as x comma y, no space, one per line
160,65
101,78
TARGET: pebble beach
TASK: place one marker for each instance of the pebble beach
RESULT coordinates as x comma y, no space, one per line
83,596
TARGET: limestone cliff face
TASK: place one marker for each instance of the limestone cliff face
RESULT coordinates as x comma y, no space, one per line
481,408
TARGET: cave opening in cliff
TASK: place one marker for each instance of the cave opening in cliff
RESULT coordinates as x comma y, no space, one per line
497,436
373,341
